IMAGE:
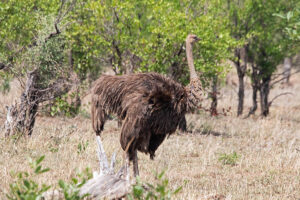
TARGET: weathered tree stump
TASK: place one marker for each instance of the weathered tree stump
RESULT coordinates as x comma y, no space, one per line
104,185
21,115
107,184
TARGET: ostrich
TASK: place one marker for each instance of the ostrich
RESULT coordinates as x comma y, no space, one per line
150,105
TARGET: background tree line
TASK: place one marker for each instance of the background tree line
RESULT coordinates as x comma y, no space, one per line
56,48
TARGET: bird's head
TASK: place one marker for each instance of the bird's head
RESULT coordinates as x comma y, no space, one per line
191,38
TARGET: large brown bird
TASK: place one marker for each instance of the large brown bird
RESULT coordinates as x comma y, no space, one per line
150,105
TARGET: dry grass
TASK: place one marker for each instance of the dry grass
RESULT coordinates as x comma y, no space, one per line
269,150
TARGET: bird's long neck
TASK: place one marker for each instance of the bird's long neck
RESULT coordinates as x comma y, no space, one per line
190,60
194,88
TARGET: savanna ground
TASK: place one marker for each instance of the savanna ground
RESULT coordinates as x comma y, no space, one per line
267,165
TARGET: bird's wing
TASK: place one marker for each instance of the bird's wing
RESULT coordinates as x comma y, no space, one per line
138,112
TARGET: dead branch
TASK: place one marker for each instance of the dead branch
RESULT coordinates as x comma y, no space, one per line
21,115
107,184
282,94
281,79
60,17
104,185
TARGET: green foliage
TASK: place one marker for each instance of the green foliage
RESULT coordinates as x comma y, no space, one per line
21,25
253,23
82,146
25,187
71,190
5,79
142,36
47,55
206,128
159,190
60,106
292,21
150,35
229,159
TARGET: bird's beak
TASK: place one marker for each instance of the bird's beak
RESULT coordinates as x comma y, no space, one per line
197,39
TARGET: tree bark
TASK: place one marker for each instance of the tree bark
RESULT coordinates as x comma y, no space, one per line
241,67
287,66
214,103
264,94
241,94
21,116
255,88
254,101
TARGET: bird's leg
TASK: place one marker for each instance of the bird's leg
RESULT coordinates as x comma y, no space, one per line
135,164
127,163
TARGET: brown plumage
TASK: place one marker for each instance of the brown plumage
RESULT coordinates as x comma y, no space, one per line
150,105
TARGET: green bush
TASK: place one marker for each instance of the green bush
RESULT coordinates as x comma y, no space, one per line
229,159
60,106
26,188
82,146
71,190
159,190
5,84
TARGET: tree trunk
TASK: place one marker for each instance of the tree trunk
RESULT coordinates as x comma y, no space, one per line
214,103
241,67
264,94
21,116
241,94
255,88
254,101
287,66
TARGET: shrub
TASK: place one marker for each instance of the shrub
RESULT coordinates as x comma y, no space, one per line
159,190
229,159
25,188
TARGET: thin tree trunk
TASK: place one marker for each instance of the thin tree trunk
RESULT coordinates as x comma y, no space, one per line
21,117
241,94
214,103
255,88
264,94
241,67
287,66
254,101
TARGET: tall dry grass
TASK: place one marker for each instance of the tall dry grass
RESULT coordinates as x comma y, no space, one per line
268,166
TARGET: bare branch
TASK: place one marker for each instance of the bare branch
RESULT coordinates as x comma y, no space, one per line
104,169
285,93
281,79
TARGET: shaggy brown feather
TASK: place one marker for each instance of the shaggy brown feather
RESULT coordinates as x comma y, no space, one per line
151,106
